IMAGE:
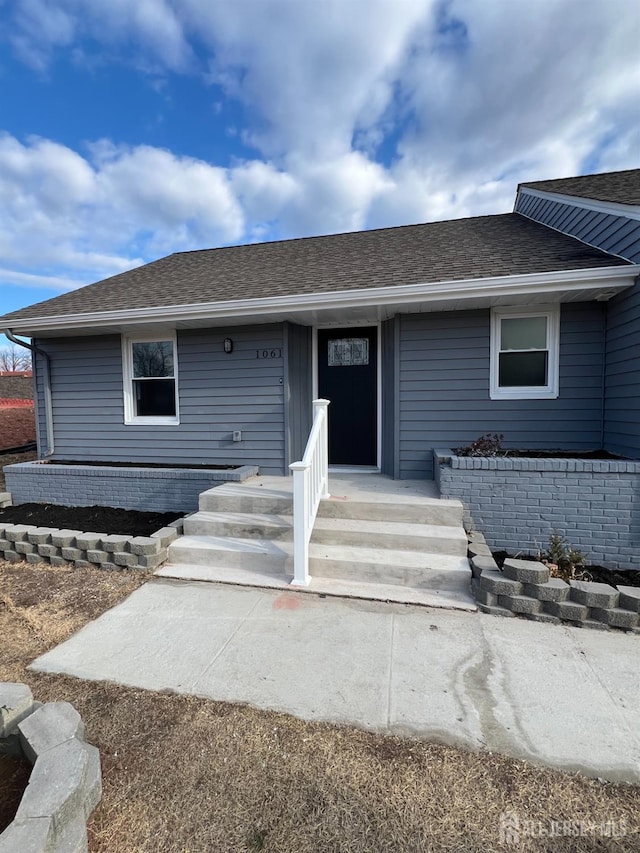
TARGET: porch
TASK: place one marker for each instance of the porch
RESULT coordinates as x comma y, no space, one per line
373,538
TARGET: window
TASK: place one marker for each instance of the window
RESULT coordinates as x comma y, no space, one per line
524,353
150,380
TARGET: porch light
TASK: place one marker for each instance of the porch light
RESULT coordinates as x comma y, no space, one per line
228,345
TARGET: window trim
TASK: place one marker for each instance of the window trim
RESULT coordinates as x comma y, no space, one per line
130,418
549,391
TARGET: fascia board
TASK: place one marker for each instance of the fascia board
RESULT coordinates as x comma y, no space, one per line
631,211
616,278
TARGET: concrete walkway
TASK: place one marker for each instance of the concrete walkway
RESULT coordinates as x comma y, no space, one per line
561,696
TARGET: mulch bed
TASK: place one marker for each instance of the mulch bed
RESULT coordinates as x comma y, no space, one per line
95,462
598,574
14,778
89,519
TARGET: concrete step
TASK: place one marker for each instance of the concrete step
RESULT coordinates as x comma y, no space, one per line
423,511
399,568
450,599
241,525
259,554
427,538
250,499
259,500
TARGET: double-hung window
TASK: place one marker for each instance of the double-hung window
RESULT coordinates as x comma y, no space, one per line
524,353
150,380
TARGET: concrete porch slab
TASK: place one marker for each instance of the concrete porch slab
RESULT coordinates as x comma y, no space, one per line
462,678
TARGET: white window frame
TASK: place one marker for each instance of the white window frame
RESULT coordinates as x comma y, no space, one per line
527,392
130,416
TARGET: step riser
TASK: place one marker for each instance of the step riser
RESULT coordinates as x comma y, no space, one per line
265,563
245,503
410,513
435,579
451,546
450,516
237,530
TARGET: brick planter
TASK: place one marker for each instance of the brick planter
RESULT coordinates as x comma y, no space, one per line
151,489
519,502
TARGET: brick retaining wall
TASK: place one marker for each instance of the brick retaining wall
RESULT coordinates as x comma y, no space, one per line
151,489
519,502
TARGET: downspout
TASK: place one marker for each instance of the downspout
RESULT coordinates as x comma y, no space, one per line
48,406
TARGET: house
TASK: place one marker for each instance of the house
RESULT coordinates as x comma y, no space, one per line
421,337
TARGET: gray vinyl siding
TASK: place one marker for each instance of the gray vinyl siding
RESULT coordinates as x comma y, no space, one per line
298,389
622,390
444,388
219,393
388,345
618,235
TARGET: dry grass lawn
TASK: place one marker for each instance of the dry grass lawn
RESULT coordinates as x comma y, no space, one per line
190,775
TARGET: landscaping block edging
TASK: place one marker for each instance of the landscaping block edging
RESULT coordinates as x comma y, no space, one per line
592,502
65,784
153,489
100,550
525,588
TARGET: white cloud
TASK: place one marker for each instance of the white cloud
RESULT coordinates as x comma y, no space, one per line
363,113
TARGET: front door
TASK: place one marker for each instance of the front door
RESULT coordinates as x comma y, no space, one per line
348,378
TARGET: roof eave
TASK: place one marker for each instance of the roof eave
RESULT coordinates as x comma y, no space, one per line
603,281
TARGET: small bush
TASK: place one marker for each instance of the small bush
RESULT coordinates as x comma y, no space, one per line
564,560
489,444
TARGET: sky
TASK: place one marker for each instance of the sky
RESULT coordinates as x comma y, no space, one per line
130,129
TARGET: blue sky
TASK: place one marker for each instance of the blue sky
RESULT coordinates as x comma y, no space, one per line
129,130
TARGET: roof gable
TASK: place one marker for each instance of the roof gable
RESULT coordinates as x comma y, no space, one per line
617,187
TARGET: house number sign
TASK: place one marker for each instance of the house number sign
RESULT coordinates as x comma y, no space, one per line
269,353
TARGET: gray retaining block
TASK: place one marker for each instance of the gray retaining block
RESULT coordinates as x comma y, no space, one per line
16,532
89,541
520,603
479,549
629,598
146,544
525,571
50,725
16,701
543,617
39,535
555,589
64,538
496,582
616,617
481,564
496,611
481,595
570,611
599,595
114,542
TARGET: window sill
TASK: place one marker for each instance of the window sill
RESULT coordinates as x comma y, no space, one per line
524,394
152,421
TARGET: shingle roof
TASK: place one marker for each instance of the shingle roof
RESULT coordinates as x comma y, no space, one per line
619,187
479,247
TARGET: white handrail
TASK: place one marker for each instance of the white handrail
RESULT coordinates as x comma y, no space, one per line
310,485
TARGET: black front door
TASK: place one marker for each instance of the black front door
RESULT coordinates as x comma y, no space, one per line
348,378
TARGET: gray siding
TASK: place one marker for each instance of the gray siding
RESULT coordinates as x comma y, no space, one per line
298,385
619,235
219,393
622,390
444,387
388,347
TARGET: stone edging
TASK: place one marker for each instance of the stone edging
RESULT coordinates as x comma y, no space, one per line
65,784
101,550
524,588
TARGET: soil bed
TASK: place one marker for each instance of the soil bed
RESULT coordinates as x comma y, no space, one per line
89,519
94,463
597,574
545,454
14,778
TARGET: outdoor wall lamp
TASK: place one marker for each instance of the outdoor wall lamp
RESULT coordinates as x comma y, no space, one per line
228,345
